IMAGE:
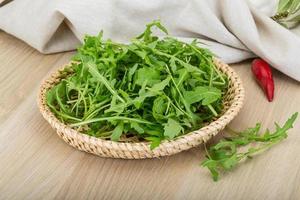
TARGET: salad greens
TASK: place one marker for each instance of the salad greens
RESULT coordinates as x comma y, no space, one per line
151,89
288,13
228,152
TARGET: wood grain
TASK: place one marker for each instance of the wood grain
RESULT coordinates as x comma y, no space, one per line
36,164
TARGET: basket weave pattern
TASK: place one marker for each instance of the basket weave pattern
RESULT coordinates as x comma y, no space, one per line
233,102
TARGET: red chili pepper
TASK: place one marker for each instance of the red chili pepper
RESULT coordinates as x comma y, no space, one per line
263,74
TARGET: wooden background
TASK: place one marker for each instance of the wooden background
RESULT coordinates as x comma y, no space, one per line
36,164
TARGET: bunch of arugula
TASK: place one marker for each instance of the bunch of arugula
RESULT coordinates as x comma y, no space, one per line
151,89
288,13
228,152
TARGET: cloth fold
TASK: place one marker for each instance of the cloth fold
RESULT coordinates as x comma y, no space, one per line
233,29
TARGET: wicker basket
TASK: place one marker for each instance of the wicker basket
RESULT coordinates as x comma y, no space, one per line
233,102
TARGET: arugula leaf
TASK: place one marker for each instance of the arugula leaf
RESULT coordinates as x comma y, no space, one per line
117,132
205,94
137,127
155,142
148,74
227,153
160,86
147,34
288,13
172,128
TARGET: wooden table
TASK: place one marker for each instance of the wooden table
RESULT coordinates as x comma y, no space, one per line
36,164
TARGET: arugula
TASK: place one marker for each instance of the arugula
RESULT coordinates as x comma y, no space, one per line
153,89
172,129
228,152
288,13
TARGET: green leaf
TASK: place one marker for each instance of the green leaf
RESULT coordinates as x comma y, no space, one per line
60,94
288,124
50,96
159,106
148,74
117,132
228,145
288,13
155,142
172,129
283,5
231,162
294,5
161,86
252,131
206,94
142,54
147,33
132,71
137,127
212,167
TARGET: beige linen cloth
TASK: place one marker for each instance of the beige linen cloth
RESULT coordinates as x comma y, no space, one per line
233,29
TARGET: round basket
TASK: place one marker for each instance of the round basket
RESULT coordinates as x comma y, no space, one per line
233,102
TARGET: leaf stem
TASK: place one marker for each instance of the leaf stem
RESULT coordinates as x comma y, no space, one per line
111,119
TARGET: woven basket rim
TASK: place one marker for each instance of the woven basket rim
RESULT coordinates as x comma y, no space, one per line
181,143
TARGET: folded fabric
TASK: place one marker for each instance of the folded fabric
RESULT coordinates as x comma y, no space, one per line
233,29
